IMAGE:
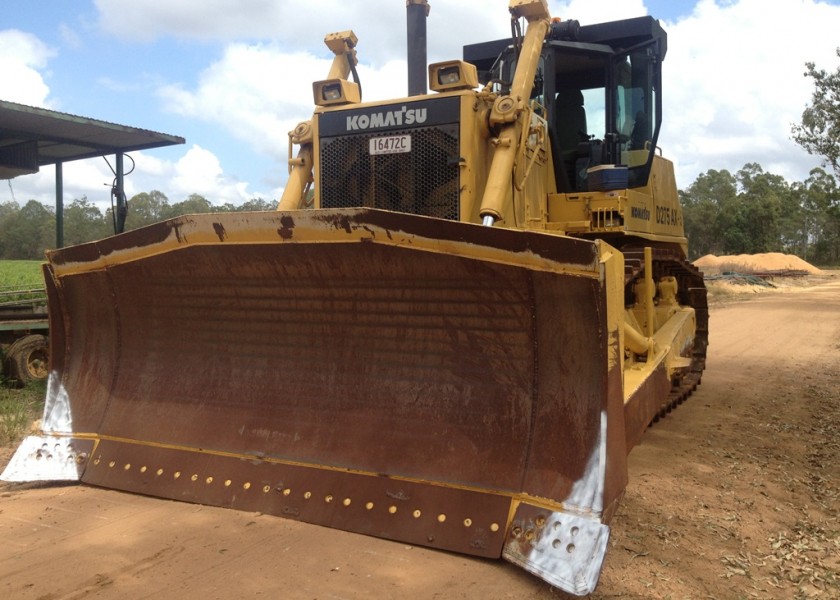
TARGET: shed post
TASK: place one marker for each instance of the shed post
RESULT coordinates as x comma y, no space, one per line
59,204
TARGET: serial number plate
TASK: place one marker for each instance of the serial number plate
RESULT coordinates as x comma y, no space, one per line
392,144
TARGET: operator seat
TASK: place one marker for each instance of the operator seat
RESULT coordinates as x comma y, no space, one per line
569,132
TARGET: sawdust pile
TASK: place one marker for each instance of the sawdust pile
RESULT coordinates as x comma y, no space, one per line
755,263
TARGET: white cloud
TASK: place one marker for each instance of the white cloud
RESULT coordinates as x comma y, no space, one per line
89,178
22,56
255,92
588,12
147,165
92,178
199,172
200,19
734,84
379,24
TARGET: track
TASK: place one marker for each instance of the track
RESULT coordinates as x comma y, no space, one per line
692,292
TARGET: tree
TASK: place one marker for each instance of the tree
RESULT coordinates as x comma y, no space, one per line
28,232
819,132
257,204
146,208
820,200
749,212
8,210
709,211
195,203
759,211
83,222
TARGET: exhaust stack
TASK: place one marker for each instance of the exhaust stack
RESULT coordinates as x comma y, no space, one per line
416,13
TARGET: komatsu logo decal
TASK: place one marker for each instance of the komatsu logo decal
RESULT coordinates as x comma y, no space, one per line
403,117
640,213
389,118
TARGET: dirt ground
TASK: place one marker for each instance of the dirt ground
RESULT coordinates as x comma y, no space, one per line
733,495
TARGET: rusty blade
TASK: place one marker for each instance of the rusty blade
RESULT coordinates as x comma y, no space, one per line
429,367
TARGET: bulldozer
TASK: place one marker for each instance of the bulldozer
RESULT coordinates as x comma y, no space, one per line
469,306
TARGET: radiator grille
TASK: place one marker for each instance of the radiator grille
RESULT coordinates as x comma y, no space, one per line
421,182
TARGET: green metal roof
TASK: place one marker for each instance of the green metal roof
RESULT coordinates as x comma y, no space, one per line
32,137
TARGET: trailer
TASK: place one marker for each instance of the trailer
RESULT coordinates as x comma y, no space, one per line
24,335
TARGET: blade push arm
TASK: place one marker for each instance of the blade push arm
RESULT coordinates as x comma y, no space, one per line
508,109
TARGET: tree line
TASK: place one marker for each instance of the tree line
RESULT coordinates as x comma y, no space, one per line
27,231
754,211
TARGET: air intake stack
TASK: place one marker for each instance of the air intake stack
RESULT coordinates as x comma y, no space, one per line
416,13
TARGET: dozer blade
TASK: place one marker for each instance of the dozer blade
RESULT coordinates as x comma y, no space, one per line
434,382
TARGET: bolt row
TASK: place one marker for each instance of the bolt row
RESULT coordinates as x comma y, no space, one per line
286,491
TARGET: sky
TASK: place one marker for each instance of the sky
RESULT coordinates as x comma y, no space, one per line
234,76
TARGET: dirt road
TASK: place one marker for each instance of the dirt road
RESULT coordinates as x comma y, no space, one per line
734,495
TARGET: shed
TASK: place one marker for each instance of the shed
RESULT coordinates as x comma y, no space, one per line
32,137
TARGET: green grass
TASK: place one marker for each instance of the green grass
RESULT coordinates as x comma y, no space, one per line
17,276
18,409
20,274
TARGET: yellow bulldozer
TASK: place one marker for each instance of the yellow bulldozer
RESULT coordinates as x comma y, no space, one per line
468,308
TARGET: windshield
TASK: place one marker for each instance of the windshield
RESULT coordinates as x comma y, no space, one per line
605,111
603,107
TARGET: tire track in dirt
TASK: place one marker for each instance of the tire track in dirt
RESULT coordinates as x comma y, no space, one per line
99,581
